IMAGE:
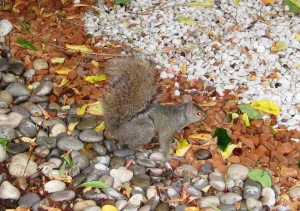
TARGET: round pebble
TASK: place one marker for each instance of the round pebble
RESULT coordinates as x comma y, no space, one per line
122,173
91,136
237,172
2,153
67,143
202,154
186,170
17,89
64,195
230,198
5,27
40,64
29,199
54,186
295,193
8,191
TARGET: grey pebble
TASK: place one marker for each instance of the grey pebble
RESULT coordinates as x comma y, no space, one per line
6,96
87,123
58,129
105,160
252,189
7,132
29,199
146,162
17,68
181,207
115,194
162,207
80,160
122,173
99,149
95,196
56,161
12,119
64,195
44,88
67,143
227,207
27,128
29,74
83,205
17,148
230,198
295,193
20,110
124,152
38,99
120,204
41,151
8,191
172,193
9,78
21,99
107,179
17,89
49,142
72,118
155,171
192,191
217,181
206,169
186,170
74,171
208,201
141,180
237,171
91,136
40,64
35,110
4,65
5,54
130,207
2,153
202,154
54,186
110,146
139,169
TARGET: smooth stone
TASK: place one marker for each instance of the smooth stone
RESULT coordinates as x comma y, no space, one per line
81,205
21,110
74,171
17,89
12,119
130,207
162,207
146,162
110,146
92,208
35,110
54,186
202,154
87,123
4,110
201,183
21,99
181,207
229,183
5,27
49,142
44,88
137,199
4,65
17,68
38,99
193,191
91,136
172,193
41,151
80,160
157,156
27,128
99,148
126,152
227,207
40,64
206,169
155,171
8,191
105,160
217,181
7,132
18,147
120,204
115,194
64,195
101,167
122,173
28,74
95,196
230,198
252,189
139,169
67,143
2,153
141,180
9,78
186,170
253,204
29,199
57,129
268,197
208,201
6,96
294,193
237,172
21,166
72,119
109,180
56,161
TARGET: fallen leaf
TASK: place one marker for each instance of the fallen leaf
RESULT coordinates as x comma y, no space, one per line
200,4
279,46
223,138
63,71
71,127
297,35
292,6
202,136
183,68
26,44
63,82
81,111
187,21
96,78
95,109
208,104
260,176
81,48
246,119
268,1
95,63
183,146
250,110
100,127
228,151
267,106
57,60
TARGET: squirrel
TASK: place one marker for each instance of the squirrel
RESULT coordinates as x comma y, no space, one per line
131,114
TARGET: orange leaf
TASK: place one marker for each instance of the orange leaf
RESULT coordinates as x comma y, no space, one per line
268,1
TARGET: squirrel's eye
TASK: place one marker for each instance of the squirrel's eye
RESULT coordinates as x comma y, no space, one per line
199,113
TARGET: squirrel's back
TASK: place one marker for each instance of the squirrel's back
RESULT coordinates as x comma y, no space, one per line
131,90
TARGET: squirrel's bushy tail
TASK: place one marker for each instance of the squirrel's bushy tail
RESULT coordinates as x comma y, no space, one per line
131,90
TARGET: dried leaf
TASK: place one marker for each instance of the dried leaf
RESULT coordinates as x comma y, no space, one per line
187,21
81,48
208,104
95,109
57,60
267,106
246,119
233,116
100,127
200,4
63,82
63,71
81,111
183,146
279,46
202,136
96,78
192,209
71,127
183,68
95,63
226,154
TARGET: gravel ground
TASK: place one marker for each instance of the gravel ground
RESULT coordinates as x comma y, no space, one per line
227,45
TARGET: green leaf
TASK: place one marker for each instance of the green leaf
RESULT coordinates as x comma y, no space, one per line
298,164
69,161
118,2
62,168
26,44
3,142
260,176
223,138
94,184
95,78
292,7
24,26
253,113
187,21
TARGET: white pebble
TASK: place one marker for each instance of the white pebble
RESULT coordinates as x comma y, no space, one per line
5,27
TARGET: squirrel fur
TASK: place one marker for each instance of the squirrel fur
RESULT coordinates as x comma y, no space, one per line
132,116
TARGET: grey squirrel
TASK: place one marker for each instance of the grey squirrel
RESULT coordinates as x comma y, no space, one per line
132,116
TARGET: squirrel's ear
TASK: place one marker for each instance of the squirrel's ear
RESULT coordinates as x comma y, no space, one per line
187,99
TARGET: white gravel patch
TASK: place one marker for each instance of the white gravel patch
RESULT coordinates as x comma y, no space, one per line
228,42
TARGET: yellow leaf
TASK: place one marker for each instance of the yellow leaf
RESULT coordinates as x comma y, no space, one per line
182,143
95,78
187,21
228,151
234,115
71,127
183,68
202,136
58,60
63,71
63,82
246,119
267,106
192,209
100,127
279,46
200,4
95,63
95,109
81,111
206,189
236,2
183,146
81,5
27,139
284,196
109,208
295,2
208,104
297,35
81,48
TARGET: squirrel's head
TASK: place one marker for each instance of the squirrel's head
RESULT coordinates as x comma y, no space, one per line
194,113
